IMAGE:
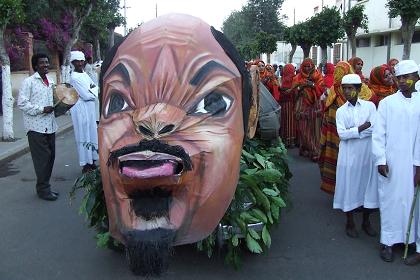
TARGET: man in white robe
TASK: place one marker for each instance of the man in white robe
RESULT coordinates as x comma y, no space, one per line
393,148
415,258
356,183
83,114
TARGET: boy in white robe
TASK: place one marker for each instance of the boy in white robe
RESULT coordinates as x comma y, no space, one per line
83,114
393,148
355,184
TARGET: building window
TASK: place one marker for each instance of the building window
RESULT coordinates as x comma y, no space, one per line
416,37
382,40
337,53
315,55
363,42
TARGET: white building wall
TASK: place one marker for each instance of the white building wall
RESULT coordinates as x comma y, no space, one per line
282,54
379,24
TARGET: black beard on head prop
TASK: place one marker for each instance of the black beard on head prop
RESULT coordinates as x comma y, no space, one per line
148,251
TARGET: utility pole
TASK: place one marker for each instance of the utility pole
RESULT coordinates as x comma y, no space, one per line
156,10
322,4
348,42
125,17
294,16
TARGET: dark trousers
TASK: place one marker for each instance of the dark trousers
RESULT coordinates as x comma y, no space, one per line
42,148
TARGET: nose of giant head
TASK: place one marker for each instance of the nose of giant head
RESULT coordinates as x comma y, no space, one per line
157,120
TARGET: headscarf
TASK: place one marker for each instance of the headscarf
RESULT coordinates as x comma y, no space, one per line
311,94
77,55
270,81
353,62
336,92
261,73
391,61
329,75
288,74
377,84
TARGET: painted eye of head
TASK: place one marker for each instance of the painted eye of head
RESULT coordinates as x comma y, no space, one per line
116,104
215,104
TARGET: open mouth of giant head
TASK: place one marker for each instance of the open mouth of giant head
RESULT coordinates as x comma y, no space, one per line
150,173
148,164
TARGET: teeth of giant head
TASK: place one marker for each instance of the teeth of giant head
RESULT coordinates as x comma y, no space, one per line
157,222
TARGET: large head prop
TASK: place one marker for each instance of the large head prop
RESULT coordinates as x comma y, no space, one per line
175,101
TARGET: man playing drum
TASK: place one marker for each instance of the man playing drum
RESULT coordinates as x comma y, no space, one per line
36,101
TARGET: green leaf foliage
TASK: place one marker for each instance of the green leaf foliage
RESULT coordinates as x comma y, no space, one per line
264,173
326,27
409,9
303,36
11,11
354,19
266,237
253,245
255,28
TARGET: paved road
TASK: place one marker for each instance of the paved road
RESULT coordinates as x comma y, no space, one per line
47,240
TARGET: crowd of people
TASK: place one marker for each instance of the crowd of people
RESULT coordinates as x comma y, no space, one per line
364,133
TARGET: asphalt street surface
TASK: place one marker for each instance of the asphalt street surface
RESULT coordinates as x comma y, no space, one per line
49,240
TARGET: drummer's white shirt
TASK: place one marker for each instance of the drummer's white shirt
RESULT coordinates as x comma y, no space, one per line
34,95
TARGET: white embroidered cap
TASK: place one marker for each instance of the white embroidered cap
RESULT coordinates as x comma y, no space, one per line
406,67
351,79
77,55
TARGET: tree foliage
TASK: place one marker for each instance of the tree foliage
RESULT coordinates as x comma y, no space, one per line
354,19
265,42
409,12
257,16
266,16
11,11
105,16
291,38
304,36
407,9
327,27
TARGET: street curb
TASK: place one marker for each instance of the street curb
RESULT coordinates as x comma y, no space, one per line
22,147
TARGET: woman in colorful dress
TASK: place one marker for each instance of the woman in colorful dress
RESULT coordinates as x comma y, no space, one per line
308,86
287,103
381,83
329,137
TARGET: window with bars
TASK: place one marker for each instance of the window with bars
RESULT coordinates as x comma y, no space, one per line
314,56
337,53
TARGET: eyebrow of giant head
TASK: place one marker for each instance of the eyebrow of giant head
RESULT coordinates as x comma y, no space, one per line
207,68
120,69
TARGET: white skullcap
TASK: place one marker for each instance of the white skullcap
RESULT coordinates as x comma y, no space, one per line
406,67
282,63
351,79
77,55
